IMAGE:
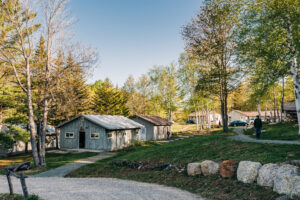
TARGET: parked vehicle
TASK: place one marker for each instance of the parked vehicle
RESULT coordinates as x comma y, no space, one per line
238,123
190,122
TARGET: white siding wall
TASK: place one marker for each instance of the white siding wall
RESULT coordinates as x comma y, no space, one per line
236,116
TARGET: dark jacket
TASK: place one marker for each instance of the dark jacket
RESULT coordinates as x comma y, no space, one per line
257,123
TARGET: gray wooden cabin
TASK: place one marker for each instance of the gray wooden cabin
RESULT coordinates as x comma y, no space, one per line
100,132
156,128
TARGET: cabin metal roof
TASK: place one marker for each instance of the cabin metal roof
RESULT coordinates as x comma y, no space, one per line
109,122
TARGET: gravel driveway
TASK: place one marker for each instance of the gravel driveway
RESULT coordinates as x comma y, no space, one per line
57,188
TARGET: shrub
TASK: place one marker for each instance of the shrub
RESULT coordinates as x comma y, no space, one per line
6,141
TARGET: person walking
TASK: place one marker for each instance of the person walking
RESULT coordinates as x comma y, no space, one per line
258,126
168,135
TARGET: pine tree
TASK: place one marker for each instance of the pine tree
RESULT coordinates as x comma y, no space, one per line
71,94
108,100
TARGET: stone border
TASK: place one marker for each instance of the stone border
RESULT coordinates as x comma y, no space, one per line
283,178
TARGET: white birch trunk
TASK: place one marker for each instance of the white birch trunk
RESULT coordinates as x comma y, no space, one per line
295,71
258,109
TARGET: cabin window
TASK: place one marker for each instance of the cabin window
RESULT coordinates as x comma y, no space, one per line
109,135
95,135
69,135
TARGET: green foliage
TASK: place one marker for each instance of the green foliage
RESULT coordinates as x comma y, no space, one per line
165,87
72,96
108,100
6,141
19,134
18,197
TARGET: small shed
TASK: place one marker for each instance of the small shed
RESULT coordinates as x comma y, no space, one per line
246,116
100,132
214,117
290,110
155,127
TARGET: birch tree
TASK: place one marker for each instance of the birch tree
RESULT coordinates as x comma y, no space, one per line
165,85
210,39
16,50
273,29
188,79
56,21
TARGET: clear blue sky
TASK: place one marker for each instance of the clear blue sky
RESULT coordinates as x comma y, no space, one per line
132,36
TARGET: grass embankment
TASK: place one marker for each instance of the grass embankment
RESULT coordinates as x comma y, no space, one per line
53,160
212,147
17,197
179,130
276,132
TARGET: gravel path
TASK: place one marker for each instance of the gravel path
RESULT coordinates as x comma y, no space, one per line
244,138
57,188
65,169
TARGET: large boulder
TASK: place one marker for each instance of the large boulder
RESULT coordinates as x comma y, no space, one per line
194,169
209,167
266,174
284,179
247,171
228,168
296,188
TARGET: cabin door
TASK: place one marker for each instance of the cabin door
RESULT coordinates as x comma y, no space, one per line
143,134
81,139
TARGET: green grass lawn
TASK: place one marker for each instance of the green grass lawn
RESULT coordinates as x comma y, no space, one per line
53,160
277,132
183,127
179,130
213,147
17,197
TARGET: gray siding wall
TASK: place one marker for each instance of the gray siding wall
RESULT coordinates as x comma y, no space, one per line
123,138
118,139
160,132
100,143
149,128
153,132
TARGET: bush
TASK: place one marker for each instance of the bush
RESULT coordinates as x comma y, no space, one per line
18,197
6,141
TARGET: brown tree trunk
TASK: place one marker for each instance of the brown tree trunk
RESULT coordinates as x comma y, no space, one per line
43,135
225,125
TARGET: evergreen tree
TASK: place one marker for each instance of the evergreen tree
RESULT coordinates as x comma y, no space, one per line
71,94
108,100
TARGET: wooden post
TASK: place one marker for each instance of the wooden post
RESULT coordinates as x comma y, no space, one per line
23,184
11,190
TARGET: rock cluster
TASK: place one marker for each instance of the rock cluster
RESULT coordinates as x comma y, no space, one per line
144,166
284,178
